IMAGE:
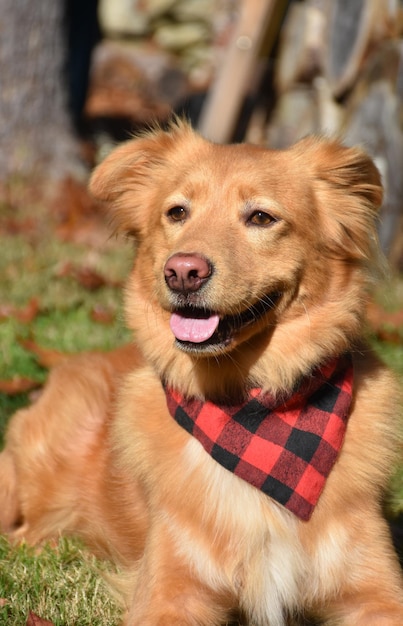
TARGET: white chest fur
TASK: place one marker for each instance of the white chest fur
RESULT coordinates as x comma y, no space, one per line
246,542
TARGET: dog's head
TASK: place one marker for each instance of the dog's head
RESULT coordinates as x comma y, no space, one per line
247,256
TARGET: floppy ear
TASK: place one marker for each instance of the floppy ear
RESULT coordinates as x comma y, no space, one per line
110,178
127,179
124,180
348,190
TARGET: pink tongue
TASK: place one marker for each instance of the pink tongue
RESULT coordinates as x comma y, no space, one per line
193,329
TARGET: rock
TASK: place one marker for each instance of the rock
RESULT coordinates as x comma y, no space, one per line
121,17
295,115
154,8
301,45
177,37
194,10
374,115
133,81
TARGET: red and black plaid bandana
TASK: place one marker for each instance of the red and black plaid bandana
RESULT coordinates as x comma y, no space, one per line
285,448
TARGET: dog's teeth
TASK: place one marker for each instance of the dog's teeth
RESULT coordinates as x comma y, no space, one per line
191,329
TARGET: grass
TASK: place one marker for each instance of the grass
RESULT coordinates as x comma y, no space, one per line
34,271
63,583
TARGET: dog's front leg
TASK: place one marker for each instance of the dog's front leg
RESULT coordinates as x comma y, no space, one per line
377,609
168,592
373,596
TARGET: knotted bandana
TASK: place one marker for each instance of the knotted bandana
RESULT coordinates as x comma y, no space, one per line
286,447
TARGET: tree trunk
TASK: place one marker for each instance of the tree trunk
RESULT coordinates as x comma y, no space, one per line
36,136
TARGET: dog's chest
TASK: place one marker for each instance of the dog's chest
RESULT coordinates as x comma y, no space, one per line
236,537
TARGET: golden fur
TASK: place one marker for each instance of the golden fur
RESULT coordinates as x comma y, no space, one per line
195,542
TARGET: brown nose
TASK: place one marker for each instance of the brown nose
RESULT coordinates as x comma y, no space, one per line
186,272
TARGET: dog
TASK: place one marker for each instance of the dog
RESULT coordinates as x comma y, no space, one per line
233,459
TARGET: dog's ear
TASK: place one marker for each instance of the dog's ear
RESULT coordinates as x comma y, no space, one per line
109,179
126,180
348,189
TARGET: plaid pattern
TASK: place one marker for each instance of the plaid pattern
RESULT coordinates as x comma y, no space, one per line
285,448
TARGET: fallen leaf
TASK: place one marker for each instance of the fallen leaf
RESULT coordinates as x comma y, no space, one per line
89,278
47,357
384,324
64,269
28,314
15,219
25,315
17,385
389,335
12,226
78,214
378,316
102,315
35,620
86,276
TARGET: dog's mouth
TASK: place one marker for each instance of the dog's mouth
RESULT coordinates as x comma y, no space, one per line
199,330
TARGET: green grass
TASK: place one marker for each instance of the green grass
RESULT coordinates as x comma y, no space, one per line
33,271
61,583
64,584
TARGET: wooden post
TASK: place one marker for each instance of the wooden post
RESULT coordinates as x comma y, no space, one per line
351,25
223,105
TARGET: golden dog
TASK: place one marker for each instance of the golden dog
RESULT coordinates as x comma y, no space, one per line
238,469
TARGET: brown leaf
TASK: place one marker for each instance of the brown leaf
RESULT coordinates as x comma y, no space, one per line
89,278
35,620
86,276
389,335
102,315
378,316
16,219
13,226
28,314
25,315
78,214
47,357
385,325
17,385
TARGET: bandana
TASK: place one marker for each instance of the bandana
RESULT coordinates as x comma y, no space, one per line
286,448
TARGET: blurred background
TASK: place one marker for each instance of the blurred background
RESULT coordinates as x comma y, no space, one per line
78,76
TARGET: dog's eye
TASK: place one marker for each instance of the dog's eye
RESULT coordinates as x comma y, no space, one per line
177,213
260,218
